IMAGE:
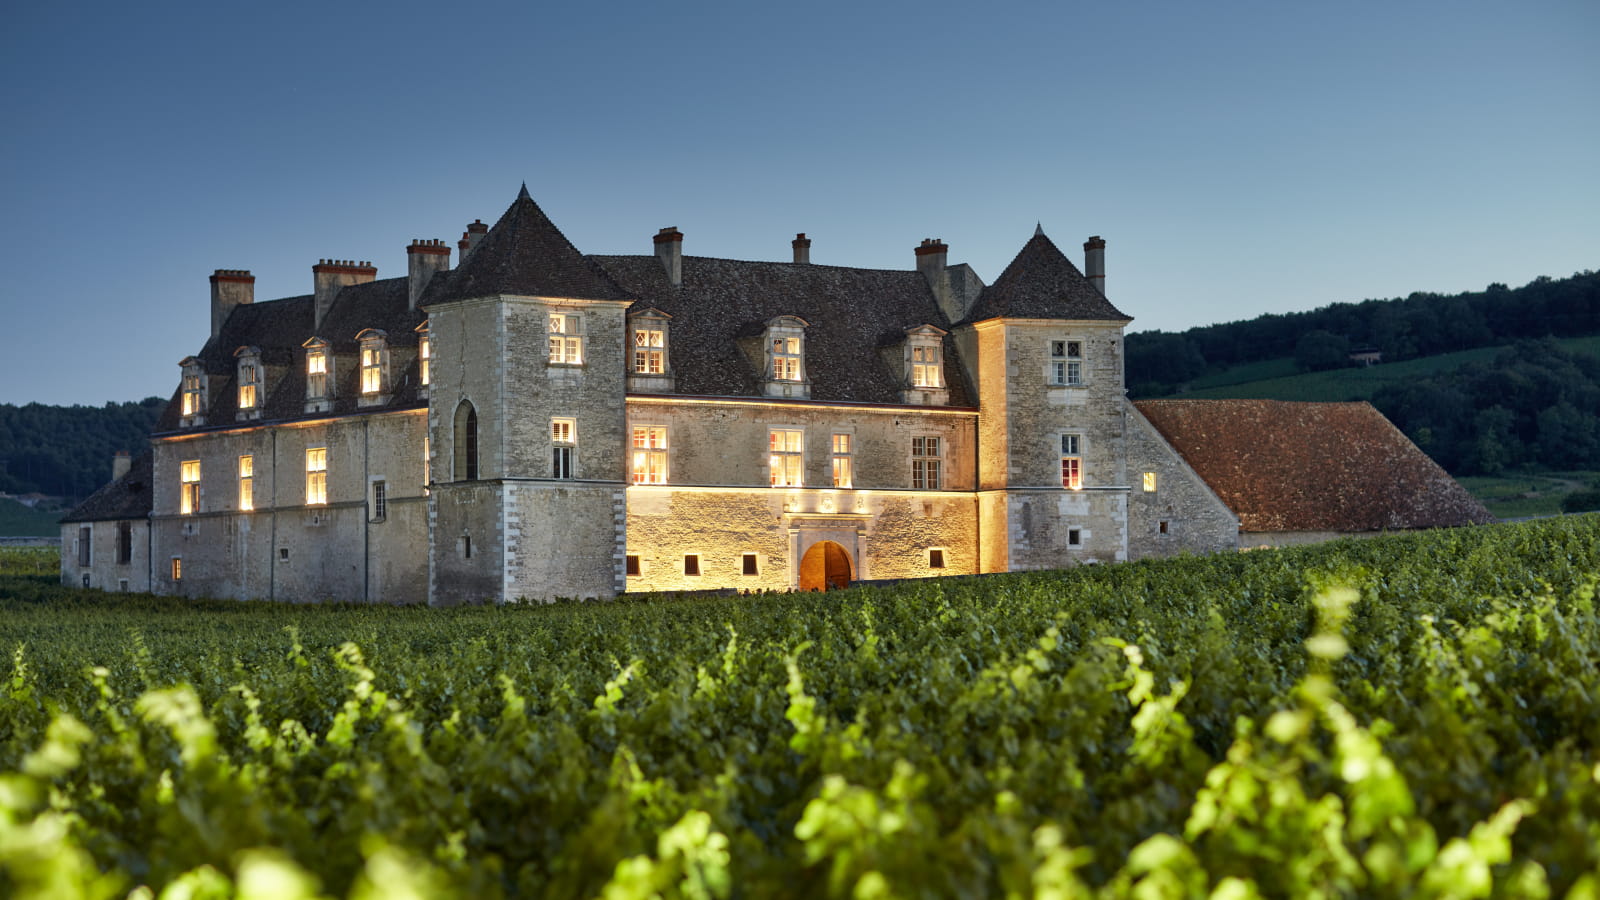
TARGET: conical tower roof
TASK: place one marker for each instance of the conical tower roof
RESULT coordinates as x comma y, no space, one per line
526,254
1041,283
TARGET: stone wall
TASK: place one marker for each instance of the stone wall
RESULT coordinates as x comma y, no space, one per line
103,571
1182,514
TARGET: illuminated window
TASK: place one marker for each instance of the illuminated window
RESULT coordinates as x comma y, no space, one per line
563,441
191,393
371,371
649,454
786,359
247,388
316,369
1066,363
374,365
316,476
925,459
649,351
786,457
927,369
842,468
193,398
566,342
189,485
247,483
177,568
424,355
1149,482
1071,461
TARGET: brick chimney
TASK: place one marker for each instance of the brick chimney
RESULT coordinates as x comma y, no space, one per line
1094,262
333,275
423,259
471,237
802,248
120,464
229,288
669,249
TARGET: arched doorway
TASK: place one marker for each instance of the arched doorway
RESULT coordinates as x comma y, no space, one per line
824,567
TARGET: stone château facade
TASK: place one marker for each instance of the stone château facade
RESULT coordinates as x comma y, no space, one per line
536,423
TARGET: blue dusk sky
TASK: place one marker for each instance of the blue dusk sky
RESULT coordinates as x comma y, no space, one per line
1238,157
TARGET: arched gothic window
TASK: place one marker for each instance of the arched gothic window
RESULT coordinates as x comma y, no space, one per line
466,442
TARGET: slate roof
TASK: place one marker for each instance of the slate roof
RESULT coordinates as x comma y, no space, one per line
1283,466
127,497
852,313
525,254
1041,283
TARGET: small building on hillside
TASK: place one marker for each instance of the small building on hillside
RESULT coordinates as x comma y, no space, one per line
1366,356
1300,473
105,541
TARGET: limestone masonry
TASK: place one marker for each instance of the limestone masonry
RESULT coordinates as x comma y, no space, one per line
536,424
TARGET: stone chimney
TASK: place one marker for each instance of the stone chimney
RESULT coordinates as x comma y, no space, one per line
1094,262
120,464
229,288
471,238
802,248
333,275
669,249
423,259
931,262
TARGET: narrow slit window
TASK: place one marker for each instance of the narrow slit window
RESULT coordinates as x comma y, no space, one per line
425,360
380,500
177,568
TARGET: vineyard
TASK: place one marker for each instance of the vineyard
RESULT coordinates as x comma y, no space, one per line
1413,716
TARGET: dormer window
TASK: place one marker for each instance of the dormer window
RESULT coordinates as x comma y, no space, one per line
374,367
649,366
785,344
193,400
566,339
249,382
924,367
319,375
424,355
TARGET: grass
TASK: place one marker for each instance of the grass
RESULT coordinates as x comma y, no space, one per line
1523,495
17,520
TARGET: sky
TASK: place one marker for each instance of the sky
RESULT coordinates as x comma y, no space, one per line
1238,157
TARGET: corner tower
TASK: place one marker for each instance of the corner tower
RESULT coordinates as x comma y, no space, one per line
1052,469
526,420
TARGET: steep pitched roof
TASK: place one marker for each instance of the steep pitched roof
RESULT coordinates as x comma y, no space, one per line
1284,466
852,313
525,254
1041,283
127,497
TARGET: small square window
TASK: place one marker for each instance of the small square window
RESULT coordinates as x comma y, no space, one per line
1149,482
751,567
1074,537
691,564
283,554
1164,527
122,585
86,579
936,558
632,564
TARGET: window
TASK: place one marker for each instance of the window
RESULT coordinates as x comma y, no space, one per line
84,534
124,545
374,365
935,557
318,384
631,564
649,351
563,437
177,568
316,476
191,392
283,554
1074,537
925,463
786,359
842,474
249,377
189,485
380,500
1149,482
466,546
466,440
691,564
751,566
371,370
1066,363
425,360
566,345
1163,527
1072,461
122,585
786,457
926,368
247,483
649,454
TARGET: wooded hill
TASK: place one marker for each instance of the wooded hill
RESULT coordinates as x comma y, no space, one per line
65,451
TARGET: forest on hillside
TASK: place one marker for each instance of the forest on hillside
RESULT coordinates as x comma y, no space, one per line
66,451
1423,324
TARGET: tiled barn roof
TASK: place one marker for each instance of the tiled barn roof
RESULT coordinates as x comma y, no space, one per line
1284,466
127,497
852,312
1041,283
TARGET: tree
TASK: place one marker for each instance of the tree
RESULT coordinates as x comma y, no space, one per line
1320,350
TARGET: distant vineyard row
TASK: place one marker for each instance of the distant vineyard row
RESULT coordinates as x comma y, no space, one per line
1405,716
